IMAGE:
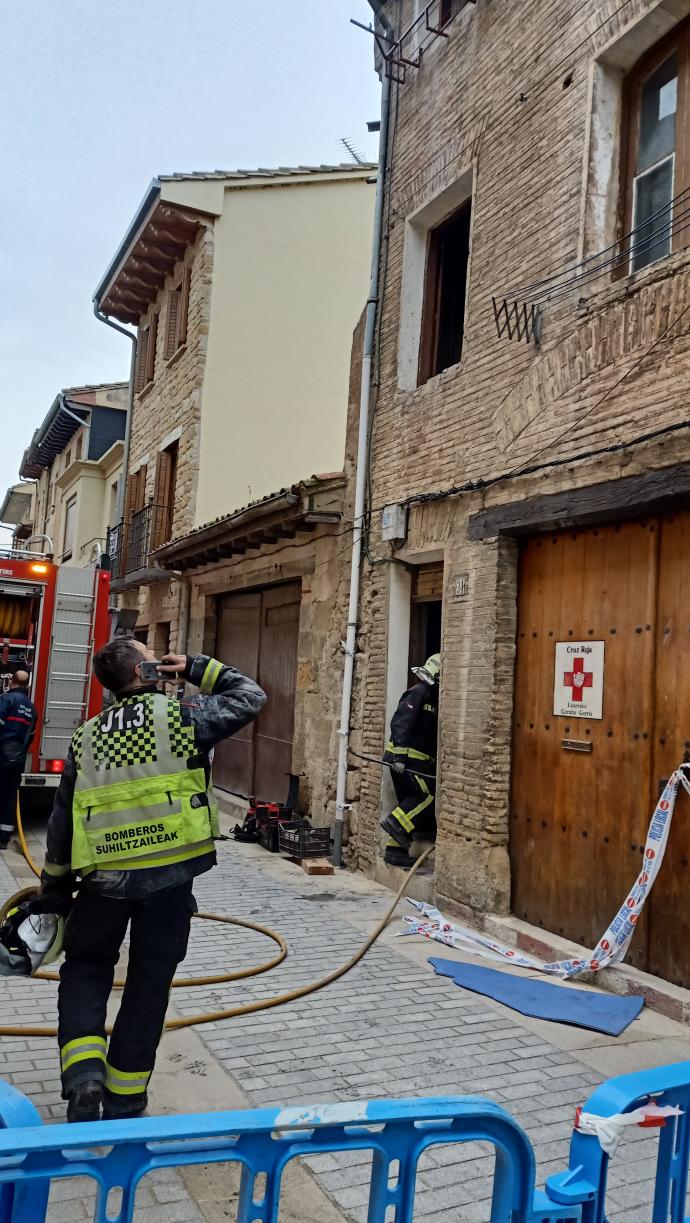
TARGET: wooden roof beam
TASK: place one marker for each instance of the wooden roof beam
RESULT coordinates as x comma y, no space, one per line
143,265
159,234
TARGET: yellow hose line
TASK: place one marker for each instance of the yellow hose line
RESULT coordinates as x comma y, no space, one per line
248,1008
220,978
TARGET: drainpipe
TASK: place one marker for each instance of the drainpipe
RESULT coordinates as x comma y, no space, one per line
131,336
183,615
360,477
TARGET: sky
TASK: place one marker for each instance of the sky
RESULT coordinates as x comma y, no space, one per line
99,96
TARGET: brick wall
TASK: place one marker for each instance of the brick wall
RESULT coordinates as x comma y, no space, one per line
507,96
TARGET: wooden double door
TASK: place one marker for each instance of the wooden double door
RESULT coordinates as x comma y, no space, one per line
257,633
583,788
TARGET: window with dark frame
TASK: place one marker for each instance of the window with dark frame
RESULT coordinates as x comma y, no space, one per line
178,311
70,528
656,176
445,293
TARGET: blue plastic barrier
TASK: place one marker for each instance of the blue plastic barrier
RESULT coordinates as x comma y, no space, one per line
20,1200
263,1142
585,1180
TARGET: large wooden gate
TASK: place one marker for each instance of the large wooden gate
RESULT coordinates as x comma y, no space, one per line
583,789
257,633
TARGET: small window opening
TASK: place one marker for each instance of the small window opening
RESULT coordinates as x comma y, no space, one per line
445,291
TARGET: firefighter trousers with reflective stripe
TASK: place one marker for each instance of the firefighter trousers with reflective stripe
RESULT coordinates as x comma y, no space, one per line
96,928
10,781
415,810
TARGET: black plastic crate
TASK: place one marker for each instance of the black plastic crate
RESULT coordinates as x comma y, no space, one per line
300,840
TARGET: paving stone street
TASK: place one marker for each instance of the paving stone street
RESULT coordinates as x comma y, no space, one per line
389,1028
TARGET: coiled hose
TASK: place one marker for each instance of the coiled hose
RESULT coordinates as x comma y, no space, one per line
265,1004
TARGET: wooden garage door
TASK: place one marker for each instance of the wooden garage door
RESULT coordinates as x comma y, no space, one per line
257,633
579,817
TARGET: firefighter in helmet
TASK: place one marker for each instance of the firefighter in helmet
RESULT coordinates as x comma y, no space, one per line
411,755
132,825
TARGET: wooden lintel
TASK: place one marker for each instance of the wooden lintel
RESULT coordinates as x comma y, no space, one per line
611,500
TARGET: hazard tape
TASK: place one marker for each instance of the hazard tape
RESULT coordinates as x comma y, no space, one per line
613,944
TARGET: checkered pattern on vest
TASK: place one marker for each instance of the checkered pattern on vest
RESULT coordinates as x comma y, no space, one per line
135,744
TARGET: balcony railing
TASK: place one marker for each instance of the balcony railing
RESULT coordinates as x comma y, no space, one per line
114,549
129,546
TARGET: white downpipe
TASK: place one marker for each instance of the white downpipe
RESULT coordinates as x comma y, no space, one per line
350,642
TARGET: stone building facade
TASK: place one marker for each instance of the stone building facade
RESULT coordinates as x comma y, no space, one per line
241,378
519,154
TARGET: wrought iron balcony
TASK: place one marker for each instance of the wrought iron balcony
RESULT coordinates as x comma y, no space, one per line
130,545
114,550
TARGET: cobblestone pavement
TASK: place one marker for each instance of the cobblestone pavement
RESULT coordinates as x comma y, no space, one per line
389,1028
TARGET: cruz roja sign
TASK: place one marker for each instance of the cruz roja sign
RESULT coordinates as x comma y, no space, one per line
578,688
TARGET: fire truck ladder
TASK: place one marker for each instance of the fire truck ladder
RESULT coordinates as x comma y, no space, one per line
69,665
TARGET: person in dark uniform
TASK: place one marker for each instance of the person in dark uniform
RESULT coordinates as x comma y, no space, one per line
18,719
411,754
133,824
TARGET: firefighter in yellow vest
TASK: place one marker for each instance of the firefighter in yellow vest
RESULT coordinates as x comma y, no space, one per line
132,825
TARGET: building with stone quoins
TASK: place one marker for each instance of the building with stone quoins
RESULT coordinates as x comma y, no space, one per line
532,419
245,288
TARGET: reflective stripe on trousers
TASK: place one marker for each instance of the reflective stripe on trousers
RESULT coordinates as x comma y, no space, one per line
82,1049
406,819
126,1082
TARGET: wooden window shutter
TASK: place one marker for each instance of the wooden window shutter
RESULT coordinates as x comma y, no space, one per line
140,501
164,495
130,494
151,349
142,359
172,323
184,306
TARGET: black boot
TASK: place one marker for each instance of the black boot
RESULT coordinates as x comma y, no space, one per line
396,831
395,855
84,1102
116,1108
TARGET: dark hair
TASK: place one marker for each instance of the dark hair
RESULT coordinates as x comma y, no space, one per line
114,664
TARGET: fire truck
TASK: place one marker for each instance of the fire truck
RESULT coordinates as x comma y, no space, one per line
52,619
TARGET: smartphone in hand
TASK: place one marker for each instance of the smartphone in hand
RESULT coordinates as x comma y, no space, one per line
150,672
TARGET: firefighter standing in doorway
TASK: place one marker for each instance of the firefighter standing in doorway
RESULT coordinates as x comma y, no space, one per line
135,822
412,747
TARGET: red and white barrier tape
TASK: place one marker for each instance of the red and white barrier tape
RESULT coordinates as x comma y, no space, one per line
613,944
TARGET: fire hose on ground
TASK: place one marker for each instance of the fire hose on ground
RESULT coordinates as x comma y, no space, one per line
247,1008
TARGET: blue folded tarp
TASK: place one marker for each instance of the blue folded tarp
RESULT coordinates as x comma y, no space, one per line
559,1003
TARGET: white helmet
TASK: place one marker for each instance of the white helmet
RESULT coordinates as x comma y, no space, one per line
27,940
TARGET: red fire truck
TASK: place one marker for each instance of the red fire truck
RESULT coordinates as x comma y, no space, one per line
52,619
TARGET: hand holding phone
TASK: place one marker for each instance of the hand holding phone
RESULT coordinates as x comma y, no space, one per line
172,664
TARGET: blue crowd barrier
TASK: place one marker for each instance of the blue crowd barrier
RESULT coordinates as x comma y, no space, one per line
585,1180
116,1155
